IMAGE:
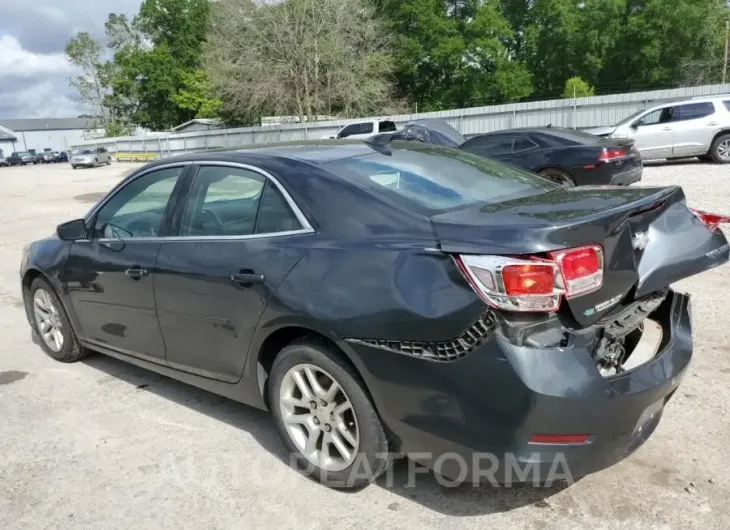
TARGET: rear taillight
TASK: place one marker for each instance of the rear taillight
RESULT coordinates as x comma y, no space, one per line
582,269
609,154
711,220
531,283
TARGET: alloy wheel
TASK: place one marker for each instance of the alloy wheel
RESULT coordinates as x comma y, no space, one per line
723,149
319,417
48,320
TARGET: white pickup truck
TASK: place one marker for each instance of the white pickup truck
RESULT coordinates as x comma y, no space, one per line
363,129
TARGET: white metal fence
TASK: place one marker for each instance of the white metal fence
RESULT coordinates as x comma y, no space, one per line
581,112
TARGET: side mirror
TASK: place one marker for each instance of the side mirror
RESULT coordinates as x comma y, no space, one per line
635,125
72,230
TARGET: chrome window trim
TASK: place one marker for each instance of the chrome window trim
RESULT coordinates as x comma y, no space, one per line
116,190
303,221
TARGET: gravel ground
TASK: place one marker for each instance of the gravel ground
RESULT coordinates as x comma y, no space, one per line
103,444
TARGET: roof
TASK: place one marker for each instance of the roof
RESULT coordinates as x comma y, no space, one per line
48,124
201,121
318,152
7,134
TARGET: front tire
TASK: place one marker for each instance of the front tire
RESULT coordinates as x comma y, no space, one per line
325,417
52,325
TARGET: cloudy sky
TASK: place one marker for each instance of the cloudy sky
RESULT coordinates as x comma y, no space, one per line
33,69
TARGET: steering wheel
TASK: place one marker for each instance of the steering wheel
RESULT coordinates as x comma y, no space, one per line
145,226
210,214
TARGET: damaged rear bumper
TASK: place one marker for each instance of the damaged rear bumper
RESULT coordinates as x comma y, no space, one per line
474,419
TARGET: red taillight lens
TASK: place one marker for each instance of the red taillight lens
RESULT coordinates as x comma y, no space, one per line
528,279
579,263
559,439
611,154
582,269
711,220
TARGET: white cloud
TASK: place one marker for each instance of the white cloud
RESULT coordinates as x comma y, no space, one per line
16,60
34,70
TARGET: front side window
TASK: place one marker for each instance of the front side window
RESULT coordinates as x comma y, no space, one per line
656,117
491,145
138,208
366,128
349,130
522,144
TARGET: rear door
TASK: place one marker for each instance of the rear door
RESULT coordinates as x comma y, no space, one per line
653,133
238,236
694,128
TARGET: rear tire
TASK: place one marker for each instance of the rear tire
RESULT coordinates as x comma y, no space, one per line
109,162
52,325
720,150
337,426
558,176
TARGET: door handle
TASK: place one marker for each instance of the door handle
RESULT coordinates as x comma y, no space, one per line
667,129
712,124
247,278
136,273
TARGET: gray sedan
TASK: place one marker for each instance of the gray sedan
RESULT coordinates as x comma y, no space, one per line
91,158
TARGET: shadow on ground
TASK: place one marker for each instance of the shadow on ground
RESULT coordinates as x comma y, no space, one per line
464,500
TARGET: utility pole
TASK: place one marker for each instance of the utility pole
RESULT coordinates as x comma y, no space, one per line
724,65
575,104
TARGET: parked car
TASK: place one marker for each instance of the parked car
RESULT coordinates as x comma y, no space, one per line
3,161
698,127
563,155
62,157
91,158
388,297
46,157
22,158
364,129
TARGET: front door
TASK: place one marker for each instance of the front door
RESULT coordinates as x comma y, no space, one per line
238,239
110,276
653,133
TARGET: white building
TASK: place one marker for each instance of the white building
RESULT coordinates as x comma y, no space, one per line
56,134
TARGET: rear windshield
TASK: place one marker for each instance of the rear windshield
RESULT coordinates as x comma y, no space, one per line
572,137
436,179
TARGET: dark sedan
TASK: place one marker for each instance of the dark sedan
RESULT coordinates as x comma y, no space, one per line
389,297
563,155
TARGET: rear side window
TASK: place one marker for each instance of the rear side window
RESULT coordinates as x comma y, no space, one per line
693,111
727,104
366,128
522,144
430,179
275,215
387,126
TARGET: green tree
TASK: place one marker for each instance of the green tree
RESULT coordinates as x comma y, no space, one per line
198,95
85,53
154,58
575,87
455,53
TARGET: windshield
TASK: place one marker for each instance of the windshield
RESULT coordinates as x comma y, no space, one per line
87,152
429,178
631,118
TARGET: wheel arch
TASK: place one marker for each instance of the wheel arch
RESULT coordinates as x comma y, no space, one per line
280,338
721,132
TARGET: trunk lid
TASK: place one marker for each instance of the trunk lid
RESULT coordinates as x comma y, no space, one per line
649,238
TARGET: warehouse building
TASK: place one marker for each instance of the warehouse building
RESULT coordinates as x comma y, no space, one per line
55,134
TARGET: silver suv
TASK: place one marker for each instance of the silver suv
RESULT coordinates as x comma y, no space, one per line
682,129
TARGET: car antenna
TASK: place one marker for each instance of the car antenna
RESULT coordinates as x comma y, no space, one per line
381,143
